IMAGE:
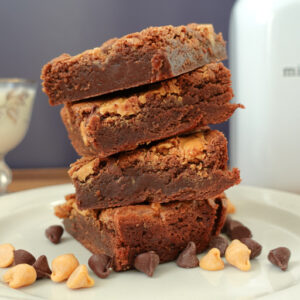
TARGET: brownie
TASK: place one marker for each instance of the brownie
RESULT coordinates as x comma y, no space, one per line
152,55
125,232
111,124
191,167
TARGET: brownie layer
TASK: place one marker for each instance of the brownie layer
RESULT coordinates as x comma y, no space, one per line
151,55
108,125
125,232
191,167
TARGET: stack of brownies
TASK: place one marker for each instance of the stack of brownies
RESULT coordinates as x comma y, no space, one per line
152,174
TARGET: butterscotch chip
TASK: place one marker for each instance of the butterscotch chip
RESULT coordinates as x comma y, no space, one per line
63,266
20,275
80,278
212,261
238,255
230,207
6,255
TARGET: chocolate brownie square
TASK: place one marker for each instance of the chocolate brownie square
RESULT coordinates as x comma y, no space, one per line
110,124
140,58
125,232
191,167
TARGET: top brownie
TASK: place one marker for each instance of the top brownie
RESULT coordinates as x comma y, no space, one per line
152,55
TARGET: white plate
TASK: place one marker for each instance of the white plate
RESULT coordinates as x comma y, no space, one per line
274,218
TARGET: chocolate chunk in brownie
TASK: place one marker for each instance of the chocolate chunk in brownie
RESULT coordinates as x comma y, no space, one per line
110,124
190,167
125,232
152,55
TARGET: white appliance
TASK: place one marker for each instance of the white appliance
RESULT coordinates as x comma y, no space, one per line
264,52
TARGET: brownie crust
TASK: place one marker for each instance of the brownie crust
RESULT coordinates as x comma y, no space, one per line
191,167
140,58
125,232
108,125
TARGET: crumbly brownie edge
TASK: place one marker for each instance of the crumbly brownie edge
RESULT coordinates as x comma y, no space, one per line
124,233
149,56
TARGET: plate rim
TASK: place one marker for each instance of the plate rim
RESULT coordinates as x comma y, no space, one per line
56,193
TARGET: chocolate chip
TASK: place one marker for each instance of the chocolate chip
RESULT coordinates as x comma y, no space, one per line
280,257
42,267
23,257
101,264
236,230
54,233
220,243
225,226
147,262
232,224
254,246
188,258
239,233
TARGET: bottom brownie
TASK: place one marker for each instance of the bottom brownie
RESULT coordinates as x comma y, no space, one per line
125,232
